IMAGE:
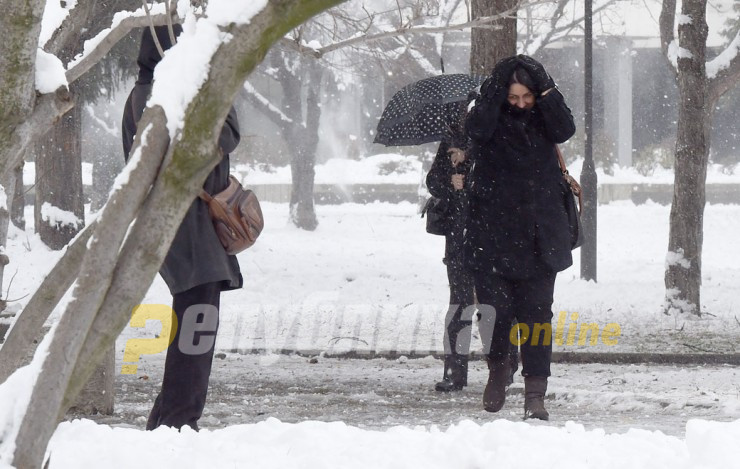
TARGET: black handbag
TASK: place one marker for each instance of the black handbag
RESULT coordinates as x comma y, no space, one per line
438,220
572,206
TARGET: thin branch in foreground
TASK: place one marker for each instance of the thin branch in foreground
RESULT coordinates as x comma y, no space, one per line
151,28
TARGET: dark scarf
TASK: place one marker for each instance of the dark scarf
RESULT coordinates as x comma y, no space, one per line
516,125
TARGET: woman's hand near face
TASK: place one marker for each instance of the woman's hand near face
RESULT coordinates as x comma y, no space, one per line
457,181
537,71
457,156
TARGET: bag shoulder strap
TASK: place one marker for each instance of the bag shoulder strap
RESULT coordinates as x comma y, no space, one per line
561,160
205,196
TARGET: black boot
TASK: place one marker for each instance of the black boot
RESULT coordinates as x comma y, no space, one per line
499,372
534,398
455,375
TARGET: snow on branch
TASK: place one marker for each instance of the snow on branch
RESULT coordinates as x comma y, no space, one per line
49,72
54,15
673,53
96,48
185,67
724,60
265,102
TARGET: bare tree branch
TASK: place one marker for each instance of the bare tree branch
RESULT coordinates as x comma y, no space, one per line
48,109
404,30
557,31
667,21
151,28
26,331
169,9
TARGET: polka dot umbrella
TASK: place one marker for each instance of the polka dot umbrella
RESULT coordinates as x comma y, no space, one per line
422,111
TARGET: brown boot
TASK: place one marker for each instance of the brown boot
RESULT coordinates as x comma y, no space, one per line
534,398
498,378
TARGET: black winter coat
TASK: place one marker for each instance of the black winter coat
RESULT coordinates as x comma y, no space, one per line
196,256
439,183
518,226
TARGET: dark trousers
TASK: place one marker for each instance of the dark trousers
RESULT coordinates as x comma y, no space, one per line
459,319
529,302
186,369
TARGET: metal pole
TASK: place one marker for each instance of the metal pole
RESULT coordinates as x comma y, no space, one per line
588,173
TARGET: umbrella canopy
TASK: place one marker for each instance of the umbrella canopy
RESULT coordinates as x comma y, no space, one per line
422,111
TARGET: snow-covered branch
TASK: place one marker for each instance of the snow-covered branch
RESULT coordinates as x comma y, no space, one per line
275,114
48,109
96,48
724,70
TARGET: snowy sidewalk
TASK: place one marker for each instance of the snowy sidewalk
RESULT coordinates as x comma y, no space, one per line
379,393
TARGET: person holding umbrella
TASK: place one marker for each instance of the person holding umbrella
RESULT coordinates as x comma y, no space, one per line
431,110
446,180
517,236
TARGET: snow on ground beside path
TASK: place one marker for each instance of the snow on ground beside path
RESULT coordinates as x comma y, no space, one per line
312,444
374,169
370,278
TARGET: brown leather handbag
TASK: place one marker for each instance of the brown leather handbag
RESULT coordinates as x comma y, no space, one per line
237,216
573,203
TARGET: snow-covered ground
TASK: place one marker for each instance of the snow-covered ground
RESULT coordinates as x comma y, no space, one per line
407,170
371,279
277,411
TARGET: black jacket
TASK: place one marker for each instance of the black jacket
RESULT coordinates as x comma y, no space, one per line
517,226
196,256
439,183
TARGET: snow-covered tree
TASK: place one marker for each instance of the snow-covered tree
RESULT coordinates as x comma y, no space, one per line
701,83
172,155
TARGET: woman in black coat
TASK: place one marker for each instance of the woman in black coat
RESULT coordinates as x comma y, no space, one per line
446,180
517,237
196,268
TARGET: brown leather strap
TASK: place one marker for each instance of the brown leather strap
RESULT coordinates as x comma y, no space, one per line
574,186
205,195
561,161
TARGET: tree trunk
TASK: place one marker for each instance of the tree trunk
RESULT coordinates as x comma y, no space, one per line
683,266
121,265
107,164
18,207
97,397
8,187
20,24
303,141
489,44
59,181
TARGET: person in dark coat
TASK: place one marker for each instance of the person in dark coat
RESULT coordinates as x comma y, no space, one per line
196,268
517,236
446,181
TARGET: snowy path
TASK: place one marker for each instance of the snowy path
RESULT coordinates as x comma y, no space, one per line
378,394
